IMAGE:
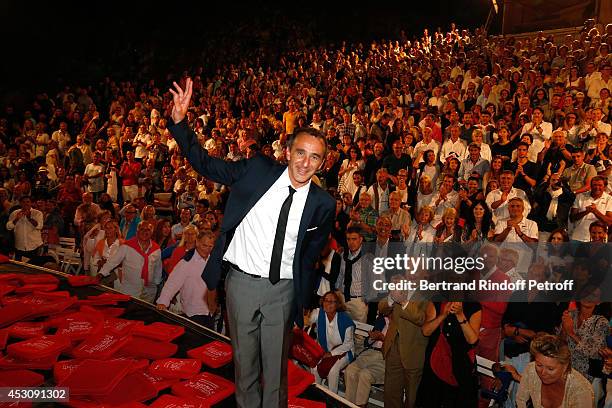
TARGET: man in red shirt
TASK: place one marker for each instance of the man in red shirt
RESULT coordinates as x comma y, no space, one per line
130,170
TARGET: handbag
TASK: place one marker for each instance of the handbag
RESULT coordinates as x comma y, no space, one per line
441,361
326,364
305,349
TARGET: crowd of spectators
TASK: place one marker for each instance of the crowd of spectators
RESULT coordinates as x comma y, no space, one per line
452,137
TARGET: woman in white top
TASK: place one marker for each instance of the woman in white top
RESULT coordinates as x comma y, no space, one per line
348,167
105,247
335,331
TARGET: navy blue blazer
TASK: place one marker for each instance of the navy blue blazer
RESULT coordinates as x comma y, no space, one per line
249,180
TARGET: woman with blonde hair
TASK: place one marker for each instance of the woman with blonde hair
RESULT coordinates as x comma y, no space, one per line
105,247
173,254
549,380
449,230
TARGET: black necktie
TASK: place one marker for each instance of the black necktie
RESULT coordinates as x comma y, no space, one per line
279,238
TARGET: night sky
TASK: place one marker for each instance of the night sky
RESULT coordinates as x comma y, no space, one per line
45,45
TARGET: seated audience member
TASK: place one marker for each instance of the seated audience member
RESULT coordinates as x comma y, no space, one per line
369,366
335,332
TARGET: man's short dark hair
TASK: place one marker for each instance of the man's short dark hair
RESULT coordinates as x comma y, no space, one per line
309,131
600,178
354,230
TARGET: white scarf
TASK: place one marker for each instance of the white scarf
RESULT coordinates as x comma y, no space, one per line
554,203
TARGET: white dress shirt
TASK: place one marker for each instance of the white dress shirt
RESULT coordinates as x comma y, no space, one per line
538,138
186,277
513,241
501,212
583,200
107,252
130,280
27,236
458,147
252,243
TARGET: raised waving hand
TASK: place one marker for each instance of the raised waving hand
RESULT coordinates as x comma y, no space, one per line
181,100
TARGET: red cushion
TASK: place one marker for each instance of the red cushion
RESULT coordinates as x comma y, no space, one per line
180,368
14,312
27,279
48,305
214,354
96,377
298,379
84,402
9,362
132,388
27,330
105,299
6,289
158,382
56,294
106,311
80,325
209,387
39,347
159,331
121,327
3,338
304,403
170,401
20,378
82,280
62,369
101,346
32,287
140,347
4,259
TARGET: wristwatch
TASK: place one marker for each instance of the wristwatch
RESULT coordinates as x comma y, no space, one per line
463,321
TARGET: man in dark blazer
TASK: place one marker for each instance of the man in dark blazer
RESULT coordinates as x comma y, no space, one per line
275,225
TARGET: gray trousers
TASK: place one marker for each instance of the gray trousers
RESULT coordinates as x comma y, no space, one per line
259,316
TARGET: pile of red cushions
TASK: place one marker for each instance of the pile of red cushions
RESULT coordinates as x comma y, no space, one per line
106,360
